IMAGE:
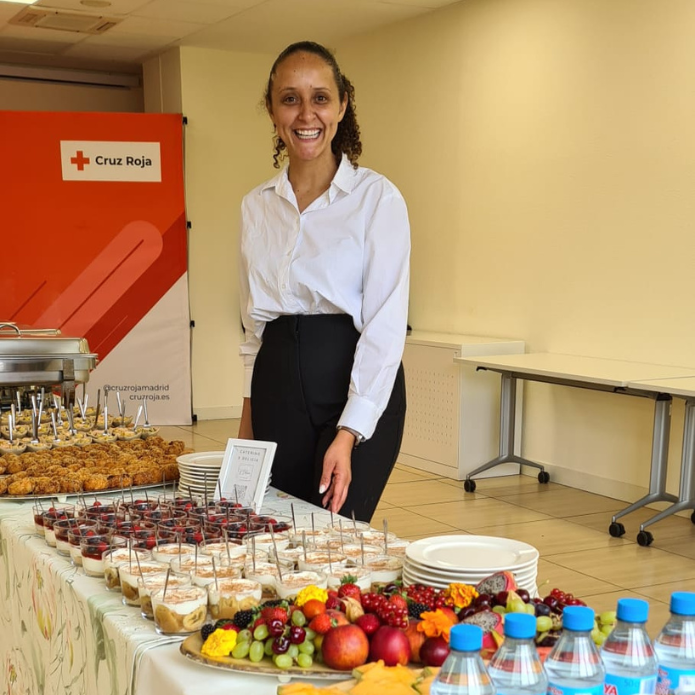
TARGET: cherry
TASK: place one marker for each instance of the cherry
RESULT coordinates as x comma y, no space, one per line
542,609
523,595
465,612
275,629
281,645
501,598
297,634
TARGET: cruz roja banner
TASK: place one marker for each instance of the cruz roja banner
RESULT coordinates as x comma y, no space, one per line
94,244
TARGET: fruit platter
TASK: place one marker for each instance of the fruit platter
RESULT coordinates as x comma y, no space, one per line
392,639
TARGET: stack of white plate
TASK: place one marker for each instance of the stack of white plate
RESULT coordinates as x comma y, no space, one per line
198,472
442,560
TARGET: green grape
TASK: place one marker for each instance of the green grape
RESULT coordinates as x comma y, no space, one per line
293,651
261,632
500,610
241,650
269,647
607,617
283,661
305,661
599,639
307,647
530,609
310,634
595,633
607,629
298,618
517,606
544,623
244,636
256,651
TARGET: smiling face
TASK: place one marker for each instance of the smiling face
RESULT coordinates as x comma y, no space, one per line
305,106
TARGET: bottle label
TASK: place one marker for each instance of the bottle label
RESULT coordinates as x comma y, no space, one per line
555,689
622,685
675,681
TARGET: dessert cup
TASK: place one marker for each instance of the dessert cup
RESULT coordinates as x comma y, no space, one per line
153,582
179,611
313,536
319,560
75,535
265,573
60,531
293,582
354,552
362,576
93,549
350,527
130,572
205,576
53,514
189,564
116,557
385,570
231,595
166,552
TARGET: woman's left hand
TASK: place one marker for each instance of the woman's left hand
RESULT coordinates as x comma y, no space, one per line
337,470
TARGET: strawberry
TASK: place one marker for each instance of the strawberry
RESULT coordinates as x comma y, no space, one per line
398,600
275,613
350,589
322,623
334,603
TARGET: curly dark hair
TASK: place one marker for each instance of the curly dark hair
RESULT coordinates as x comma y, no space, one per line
347,138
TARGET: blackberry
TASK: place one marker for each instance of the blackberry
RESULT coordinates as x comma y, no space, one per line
207,630
416,609
274,603
243,618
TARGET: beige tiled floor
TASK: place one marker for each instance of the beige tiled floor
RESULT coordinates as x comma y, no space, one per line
569,527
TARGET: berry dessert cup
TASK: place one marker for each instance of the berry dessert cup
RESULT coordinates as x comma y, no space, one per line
86,527
93,549
231,595
53,514
179,611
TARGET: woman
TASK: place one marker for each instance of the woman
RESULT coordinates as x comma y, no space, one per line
325,249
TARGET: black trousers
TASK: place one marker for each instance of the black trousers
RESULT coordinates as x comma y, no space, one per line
300,386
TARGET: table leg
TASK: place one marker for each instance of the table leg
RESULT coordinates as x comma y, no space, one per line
657,476
507,435
686,490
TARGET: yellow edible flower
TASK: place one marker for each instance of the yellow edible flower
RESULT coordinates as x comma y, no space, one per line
309,592
460,594
219,643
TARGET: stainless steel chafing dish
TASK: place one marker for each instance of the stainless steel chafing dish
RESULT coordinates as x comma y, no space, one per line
43,357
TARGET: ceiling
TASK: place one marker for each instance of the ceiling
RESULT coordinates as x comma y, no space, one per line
149,27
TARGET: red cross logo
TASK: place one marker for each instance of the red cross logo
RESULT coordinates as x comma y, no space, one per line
80,160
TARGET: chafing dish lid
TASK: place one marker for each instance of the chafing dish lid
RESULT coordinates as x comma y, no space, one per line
20,341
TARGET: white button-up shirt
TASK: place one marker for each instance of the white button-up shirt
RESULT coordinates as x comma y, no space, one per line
346,253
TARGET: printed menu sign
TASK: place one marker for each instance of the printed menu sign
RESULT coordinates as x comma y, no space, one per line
245,472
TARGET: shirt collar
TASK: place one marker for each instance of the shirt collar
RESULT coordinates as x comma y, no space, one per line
343,180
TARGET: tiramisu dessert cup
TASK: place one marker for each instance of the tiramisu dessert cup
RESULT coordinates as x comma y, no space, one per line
130,572
397,547
189,564
385,570
288,555
312,535
237,553
362,576
320,560
114,558
265,573
168,551
293,582
264,541
355,552
231,595
152,582
347,526
205,574
179,611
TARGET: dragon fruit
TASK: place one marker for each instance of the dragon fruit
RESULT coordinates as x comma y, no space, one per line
500,581
491,624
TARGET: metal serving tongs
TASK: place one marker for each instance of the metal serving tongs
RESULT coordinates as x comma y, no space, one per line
10,424
71,422
147,422
34,421
56,438
137,418
97,411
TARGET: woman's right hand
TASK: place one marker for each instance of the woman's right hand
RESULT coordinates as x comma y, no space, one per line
245,426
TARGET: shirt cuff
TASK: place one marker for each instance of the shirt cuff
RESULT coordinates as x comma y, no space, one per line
248,376
360,415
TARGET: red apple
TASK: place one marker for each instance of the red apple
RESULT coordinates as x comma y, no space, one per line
416,638
434,651
345,647
339,617
391,645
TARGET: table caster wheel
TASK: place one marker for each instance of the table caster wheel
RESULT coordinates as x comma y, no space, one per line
469,485
544,477
645,538
616,529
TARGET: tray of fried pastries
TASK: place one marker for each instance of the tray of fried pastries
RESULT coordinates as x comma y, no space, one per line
92,468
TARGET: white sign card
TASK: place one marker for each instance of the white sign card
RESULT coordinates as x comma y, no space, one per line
245,471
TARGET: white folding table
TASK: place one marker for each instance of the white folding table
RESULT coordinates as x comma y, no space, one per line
596,374
683,388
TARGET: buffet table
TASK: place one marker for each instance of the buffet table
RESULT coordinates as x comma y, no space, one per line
64,632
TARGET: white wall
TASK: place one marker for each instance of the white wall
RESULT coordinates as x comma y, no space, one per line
228,152
25,95
546,153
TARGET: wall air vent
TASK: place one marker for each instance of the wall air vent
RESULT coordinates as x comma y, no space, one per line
42,18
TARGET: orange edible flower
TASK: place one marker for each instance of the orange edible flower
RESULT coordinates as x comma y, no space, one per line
435,624
461,595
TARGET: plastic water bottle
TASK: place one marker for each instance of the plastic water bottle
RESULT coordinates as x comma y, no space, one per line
463,672
627,653
675,647
574,666
515,668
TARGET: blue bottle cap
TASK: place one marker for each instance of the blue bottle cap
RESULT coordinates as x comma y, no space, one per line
633,610
466,638
683,603
519,625
578,618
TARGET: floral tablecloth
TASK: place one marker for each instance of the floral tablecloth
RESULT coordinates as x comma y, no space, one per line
63,632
